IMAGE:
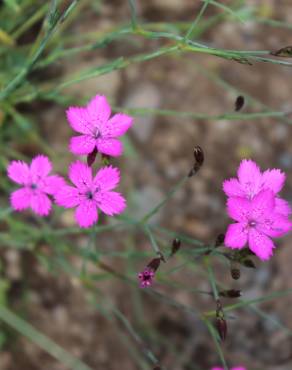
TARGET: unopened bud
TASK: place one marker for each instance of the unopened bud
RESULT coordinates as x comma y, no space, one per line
199,160
231,293
235,270
221,325
239,103
176,243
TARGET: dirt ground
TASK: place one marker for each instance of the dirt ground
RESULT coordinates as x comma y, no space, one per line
58,305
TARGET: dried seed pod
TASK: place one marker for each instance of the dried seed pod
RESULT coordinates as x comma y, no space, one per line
239,103
230,293
176,243
199,155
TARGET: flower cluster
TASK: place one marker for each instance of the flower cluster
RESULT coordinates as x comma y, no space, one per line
254,203
99,134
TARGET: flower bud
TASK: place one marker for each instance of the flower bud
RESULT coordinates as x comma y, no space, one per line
199,160
239,103
199,155
221,325
249,263
231,293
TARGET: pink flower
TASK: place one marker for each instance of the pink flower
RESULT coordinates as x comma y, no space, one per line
36,184
91,193
97,128
251,181
146,277
257,221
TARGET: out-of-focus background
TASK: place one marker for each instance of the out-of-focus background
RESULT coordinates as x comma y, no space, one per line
41,278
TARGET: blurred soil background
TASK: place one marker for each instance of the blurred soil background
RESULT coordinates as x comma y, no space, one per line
158,154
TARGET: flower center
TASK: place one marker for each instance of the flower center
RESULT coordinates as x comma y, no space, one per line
33,186
96,133
252,223
89,195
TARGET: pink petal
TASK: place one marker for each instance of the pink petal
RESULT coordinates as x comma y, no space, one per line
110,147
118,125
79,120
274,180
40,204
40,167
262,204
236,236
111,203
282,207
232,188
20,199
67,196
82,145
86,214
52,184
99,110
260,244
238,208
275,225
250,177
18,171
80,174
107,178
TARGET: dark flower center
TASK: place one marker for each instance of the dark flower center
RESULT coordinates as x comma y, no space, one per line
146,275
33,186
252,223
96,133
89,195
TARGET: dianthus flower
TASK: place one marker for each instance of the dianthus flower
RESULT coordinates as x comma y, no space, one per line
251,181
36,185
98,130
257,221
91,193
146,277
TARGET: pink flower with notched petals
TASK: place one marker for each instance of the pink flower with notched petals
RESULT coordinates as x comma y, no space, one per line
97,129
36,185
251,181
257,222
91,193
